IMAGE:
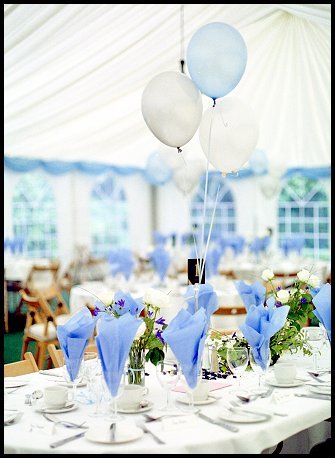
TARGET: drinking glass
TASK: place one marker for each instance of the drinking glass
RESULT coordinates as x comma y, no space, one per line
260,371
112,414
168,374
90,370
97,393
237,359
79,377
190,408
315,336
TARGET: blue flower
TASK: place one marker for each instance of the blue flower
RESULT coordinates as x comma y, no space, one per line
96,311
159,336
160,320
303,300
278,288
150,314
278,304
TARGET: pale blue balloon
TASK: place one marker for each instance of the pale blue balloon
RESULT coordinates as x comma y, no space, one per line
216,59
258,162
157,172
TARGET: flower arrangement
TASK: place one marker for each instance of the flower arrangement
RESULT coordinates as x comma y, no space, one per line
222,342
299,298
148,343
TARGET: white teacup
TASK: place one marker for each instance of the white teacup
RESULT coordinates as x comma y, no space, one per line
201,391
56,396
132,396
285,372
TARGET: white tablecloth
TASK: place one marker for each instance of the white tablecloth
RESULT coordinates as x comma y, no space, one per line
303,427
18,269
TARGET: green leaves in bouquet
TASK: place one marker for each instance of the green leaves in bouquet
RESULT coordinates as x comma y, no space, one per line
155,355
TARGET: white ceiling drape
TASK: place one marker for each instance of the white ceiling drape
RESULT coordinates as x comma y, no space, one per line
75,74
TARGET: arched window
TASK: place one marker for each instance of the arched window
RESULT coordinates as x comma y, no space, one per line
303,210
109,217
224,220
34,216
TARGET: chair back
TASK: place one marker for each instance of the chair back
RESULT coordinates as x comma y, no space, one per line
57,356
42,276
27,366
38,311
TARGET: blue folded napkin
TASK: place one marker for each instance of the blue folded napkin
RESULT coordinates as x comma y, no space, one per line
253,294
121,261
114,340
160,259
73,337
186,336
261,323
124,302
322,304
159,239
207,299
212,262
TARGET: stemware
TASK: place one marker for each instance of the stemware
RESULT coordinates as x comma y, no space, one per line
112,413
315,336
260,371
237,360
78,378
168,374
90,369
190,408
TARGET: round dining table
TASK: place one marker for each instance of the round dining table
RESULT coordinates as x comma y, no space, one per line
294,415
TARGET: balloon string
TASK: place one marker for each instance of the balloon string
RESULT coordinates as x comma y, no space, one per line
179,149
214,103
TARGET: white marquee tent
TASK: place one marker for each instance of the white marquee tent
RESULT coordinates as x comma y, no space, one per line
75,74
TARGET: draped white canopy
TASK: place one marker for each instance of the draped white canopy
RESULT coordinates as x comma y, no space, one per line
75,74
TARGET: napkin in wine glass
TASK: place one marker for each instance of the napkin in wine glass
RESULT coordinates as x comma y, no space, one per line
73,338
186,336
261,323
207,299
160,259
322,304
122,261
253,294
114,340
124,302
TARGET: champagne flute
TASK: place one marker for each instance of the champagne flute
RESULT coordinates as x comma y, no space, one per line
259,369
168,375
237,360
112,414
68,374
90,369
190,408
314,335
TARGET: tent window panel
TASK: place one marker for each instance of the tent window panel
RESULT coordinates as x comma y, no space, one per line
109,217
34,216
224,219
303,209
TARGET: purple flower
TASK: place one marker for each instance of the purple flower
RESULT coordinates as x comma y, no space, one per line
234,335
150,314
303,300
96,311
278,288
307,287
160,320
278,304
120,303
159,336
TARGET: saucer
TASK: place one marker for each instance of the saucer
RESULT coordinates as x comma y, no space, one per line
15,383
274,382
137,409
67,408
121,435
321,389
209,400
70,385
242,417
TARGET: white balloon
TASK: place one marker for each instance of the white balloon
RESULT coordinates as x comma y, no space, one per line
172,108
270,186
186,178
228,134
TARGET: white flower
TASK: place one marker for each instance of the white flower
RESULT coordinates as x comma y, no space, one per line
230,344
158,298
107,297
314,281
303,275
267,274
140,330
283,296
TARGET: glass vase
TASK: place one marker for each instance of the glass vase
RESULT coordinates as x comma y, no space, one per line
136,368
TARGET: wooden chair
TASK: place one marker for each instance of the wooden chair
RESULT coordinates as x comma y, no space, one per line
40,325
26,366
57,356
5,306
231,324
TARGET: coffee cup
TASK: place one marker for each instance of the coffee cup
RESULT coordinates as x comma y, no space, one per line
285,372
56,396
132,396
201,391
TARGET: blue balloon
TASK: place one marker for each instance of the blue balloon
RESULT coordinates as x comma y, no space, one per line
216,59
258,162
157,172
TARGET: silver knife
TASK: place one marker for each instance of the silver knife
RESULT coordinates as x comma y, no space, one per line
49,373
68,439
147,430
326,397
231,428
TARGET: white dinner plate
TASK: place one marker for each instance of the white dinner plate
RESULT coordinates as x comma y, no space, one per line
274,382
70,385
242,417
209,400
67,408
121,435
9,416
321,389
15,383
138,409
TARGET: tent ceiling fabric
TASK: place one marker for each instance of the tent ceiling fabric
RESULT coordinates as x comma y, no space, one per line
75,74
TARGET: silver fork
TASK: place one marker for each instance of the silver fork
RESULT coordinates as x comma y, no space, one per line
67,424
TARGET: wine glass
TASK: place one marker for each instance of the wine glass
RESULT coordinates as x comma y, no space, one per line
190,408
112,414
72,376
237,360
90,369
315,336
168,374
259,369
97,392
